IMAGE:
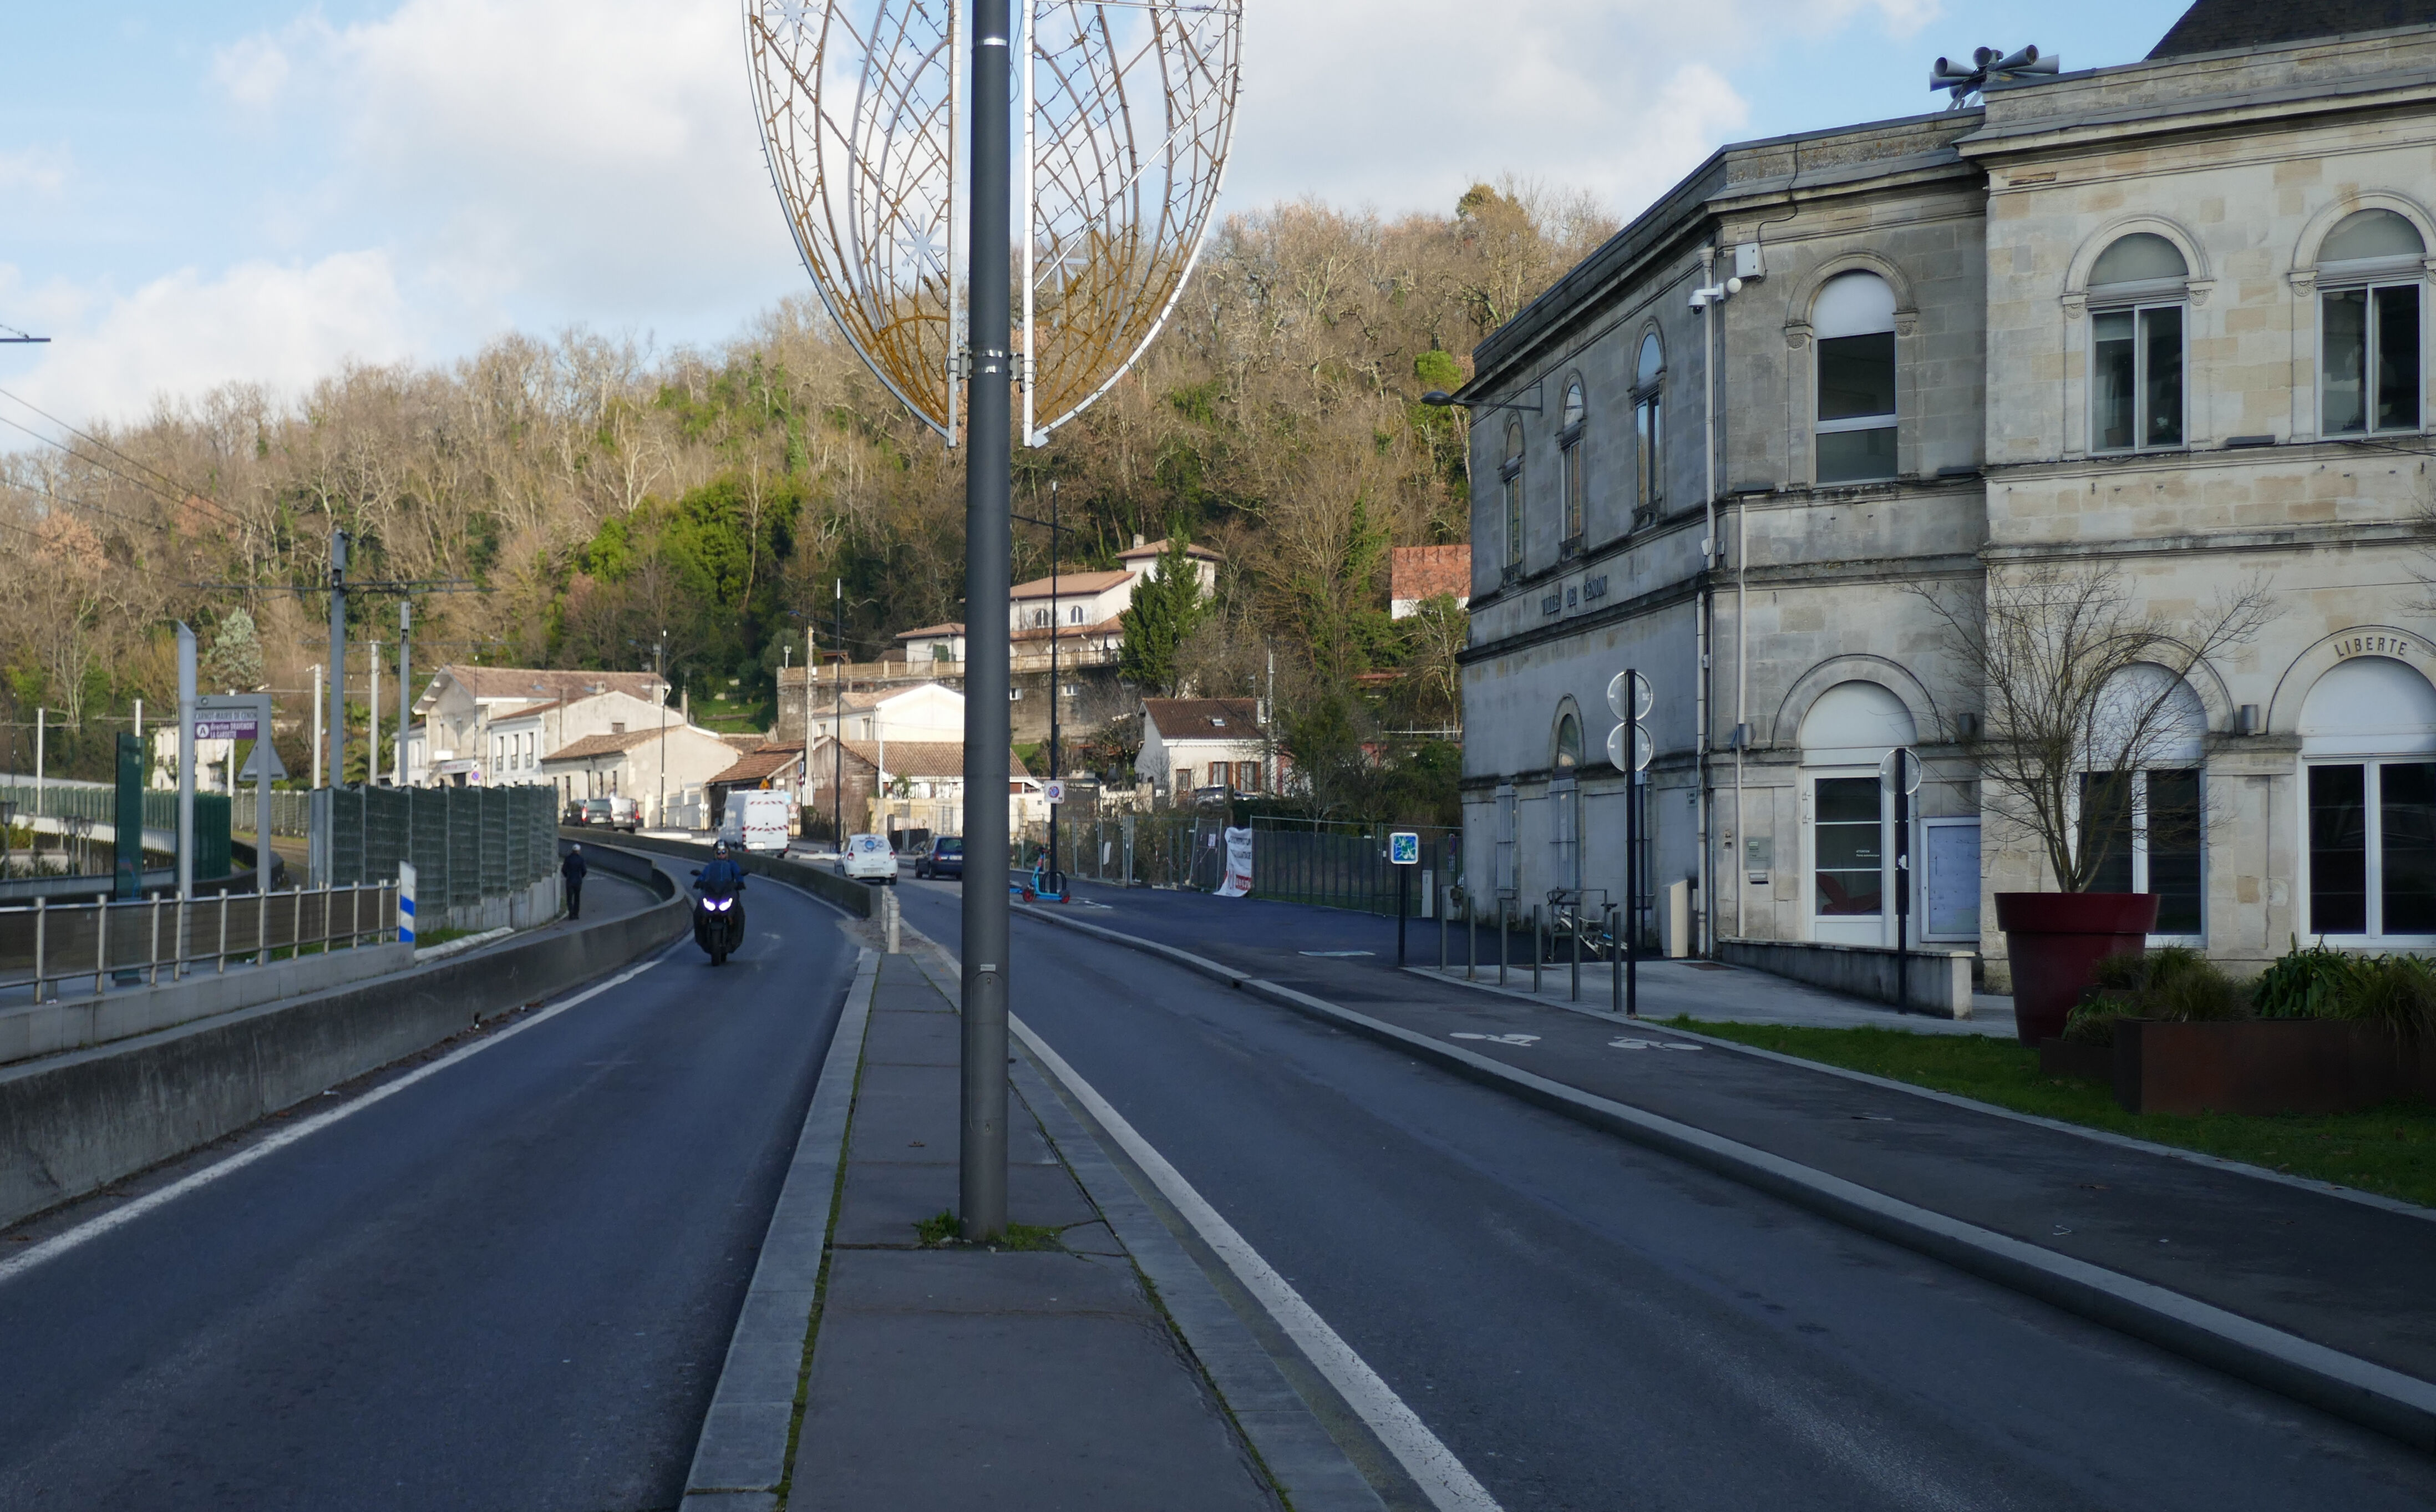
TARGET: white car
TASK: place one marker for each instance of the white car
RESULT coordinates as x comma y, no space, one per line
868,859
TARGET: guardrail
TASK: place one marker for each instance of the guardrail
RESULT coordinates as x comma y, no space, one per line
131,943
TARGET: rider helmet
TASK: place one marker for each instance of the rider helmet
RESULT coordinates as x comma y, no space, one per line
718,848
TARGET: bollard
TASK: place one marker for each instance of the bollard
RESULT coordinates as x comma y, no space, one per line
1537,950
1614,961
1471,939
1577,952
1444,961
892,913
1504,935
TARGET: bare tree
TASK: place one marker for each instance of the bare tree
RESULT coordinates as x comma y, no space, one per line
2084,691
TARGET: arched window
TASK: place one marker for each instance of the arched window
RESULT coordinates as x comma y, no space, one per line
1855,322
2136,292
1569,454
2368,744
2370,271
1649,425
1509,476
1569,738
2148,819
1845,736
1074,615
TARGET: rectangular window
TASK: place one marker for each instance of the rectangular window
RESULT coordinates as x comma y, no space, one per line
1649,478
1577,490
1856,407
1184,779
2170,851
2338,850
1848,875
2370,342
1247,776
2405,811
2135,379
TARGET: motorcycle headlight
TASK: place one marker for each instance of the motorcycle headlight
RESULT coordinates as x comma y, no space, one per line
721,903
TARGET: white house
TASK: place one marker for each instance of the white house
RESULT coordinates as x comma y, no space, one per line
1078,601
647,764
1204,743
546,709
928,711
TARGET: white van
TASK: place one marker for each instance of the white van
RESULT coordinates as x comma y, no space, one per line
868,859
761,820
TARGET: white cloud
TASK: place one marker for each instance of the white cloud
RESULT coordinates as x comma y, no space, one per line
44,170
252,72
178,336
1402,103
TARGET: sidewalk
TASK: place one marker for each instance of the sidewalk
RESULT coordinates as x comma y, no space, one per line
1038,1373
2333,1271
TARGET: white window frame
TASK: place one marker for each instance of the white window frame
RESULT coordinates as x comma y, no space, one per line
1848,929
2341,278
2140,843
2133,299
2372,800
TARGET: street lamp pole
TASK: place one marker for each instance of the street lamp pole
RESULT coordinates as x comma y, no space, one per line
836,729
988,548
660,669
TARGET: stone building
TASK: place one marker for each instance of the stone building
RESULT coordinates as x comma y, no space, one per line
2163,320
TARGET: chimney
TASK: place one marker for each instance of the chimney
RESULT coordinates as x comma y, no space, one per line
684,705
1138,540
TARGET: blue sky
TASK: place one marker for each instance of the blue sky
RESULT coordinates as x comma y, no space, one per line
262,191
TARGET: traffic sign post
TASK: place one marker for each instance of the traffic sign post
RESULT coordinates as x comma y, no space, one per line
1630,747
1404,853
1901,769
246,717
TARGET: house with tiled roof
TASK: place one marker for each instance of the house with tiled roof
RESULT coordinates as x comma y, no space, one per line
1416,573
924,786
664,768
1191,744
486,725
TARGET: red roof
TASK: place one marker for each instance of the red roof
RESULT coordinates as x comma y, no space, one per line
1204,719
1418,572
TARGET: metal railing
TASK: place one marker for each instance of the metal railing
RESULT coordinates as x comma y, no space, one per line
131,944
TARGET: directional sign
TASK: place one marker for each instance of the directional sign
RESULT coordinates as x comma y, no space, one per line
215,724
1405,848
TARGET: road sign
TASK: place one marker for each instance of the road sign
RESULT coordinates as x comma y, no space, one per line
1053,790
252,770
1641,696
1405,848
1642,749
224,726
1900,766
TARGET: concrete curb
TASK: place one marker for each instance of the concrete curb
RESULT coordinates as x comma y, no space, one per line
1310,1466
853,897
2401,1406
740,1458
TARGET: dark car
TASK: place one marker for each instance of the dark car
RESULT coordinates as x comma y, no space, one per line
943,857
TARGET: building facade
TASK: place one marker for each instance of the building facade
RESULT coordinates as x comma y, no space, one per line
2161,324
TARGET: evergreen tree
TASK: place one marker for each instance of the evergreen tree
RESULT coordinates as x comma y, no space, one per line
1167,604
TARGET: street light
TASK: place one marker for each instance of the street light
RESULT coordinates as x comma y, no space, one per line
1441,399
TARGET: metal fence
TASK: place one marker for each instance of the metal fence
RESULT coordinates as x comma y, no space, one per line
1314,861
466,844
95,803
131,944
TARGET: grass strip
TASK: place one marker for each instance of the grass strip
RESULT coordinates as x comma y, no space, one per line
2388,1150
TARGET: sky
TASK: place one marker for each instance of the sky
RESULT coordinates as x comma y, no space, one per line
263,192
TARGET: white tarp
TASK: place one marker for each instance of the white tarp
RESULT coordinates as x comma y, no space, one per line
1239,864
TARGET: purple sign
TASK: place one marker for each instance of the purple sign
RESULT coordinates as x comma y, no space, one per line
219,726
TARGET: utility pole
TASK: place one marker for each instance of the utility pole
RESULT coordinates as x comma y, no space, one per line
338,766
317,727
372,721
186,773
42,721
660,669
989,548
404,695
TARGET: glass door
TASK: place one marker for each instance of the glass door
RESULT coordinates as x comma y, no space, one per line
1848,860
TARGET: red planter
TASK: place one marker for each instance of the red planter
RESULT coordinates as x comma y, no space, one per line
2055,940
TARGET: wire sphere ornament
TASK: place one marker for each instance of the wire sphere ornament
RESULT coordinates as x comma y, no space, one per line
1126,109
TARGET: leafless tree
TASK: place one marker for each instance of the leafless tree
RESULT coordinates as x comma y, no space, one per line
2085,689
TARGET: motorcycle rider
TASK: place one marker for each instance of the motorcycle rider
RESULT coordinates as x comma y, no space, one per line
720,876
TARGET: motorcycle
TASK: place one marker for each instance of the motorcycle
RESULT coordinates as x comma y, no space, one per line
719,922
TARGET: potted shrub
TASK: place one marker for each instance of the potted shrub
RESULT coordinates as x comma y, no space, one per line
2083,692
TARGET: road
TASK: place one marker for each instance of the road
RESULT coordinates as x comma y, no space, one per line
509,1284
1588,1324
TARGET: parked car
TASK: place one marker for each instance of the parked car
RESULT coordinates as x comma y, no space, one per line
944,855
868,859
612,813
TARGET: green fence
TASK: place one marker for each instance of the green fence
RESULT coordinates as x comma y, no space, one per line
1346,866
98,803
466,844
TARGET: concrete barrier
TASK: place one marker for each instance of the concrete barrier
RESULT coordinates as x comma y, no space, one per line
45,1029
73,1124
855,897
1940,979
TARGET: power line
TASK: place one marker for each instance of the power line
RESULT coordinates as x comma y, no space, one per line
196,494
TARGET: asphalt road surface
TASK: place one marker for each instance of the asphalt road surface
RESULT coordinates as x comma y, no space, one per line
1588,1324
508,1285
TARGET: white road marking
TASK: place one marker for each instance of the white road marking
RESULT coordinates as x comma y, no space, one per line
1501,1039
1431,1464
1335,955
1628,1043
59,1244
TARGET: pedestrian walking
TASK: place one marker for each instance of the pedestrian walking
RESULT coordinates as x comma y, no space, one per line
573,869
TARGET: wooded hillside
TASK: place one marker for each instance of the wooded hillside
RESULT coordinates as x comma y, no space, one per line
596,495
